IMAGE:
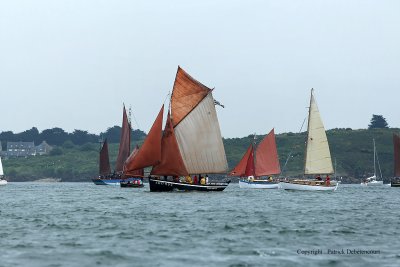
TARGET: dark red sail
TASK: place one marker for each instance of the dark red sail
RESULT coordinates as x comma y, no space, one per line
124,144
171,160
250,167
149,153
135,172
240,168
267,161
104,163
396,146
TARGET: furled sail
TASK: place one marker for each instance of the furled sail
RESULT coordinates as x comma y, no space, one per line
250,167
171,160
318,157
240,168
396,146
149,153
200,141
267,161
124,144
104,164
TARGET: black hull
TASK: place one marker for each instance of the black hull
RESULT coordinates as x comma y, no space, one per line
166,186
123,184
395,184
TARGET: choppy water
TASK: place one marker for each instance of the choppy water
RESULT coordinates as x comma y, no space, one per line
81,224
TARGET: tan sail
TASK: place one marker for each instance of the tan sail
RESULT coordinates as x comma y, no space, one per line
318,157
200,141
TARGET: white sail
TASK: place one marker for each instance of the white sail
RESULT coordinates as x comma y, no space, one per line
200,141
318,157
1,168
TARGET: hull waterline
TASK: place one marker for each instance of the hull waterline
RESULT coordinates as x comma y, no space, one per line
3,182
98,181
258,185
305,187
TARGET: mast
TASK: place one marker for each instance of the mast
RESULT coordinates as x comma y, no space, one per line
373,140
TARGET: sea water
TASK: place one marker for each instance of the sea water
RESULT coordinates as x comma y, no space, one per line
81,224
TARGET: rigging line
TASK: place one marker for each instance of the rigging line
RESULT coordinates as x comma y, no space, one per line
291,151
379,165
134,118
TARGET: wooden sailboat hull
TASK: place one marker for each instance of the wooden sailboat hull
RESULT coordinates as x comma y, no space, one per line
258,184
395,182
165,186
3,182
306,187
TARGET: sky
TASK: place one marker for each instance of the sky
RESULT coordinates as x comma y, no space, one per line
73,63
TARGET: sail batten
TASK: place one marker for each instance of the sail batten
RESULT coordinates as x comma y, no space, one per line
104,161
318,157
149,154
124,144
396,148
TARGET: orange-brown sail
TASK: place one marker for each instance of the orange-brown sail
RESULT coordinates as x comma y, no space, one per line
250,168
186,95
267,161
135,172
104,164
171,160
150,152
240,168
125,143
396,145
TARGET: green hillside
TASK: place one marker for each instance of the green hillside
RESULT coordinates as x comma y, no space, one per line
352,150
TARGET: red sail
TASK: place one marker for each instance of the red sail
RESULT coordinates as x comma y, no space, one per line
104,164
250,168
396,144
150,152
135,172
267,161
171,160
186,95
240,168
124,144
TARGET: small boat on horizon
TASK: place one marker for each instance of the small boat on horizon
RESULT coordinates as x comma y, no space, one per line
395,182
2,180
318,159
258,161
372,181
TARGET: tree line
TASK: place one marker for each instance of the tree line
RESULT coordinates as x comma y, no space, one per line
57,136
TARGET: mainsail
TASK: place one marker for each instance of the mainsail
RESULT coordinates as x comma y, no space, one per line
396,146
124,144
149,153
250,167
318,157
196,126
104,163
267,160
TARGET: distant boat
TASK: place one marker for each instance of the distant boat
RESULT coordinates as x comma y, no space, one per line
191,143
371,181
318,159
2,180
106,177
147,155
257,162
396,149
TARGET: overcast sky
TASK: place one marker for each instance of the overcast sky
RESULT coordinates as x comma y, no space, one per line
72,63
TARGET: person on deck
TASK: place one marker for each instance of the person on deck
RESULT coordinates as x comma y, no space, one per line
202,181
206,178
328,180
318,178
195,180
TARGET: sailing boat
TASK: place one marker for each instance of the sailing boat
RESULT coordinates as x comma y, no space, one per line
191,143
106,177
318,157
371,181
259,161
2,181
147,155
396,147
